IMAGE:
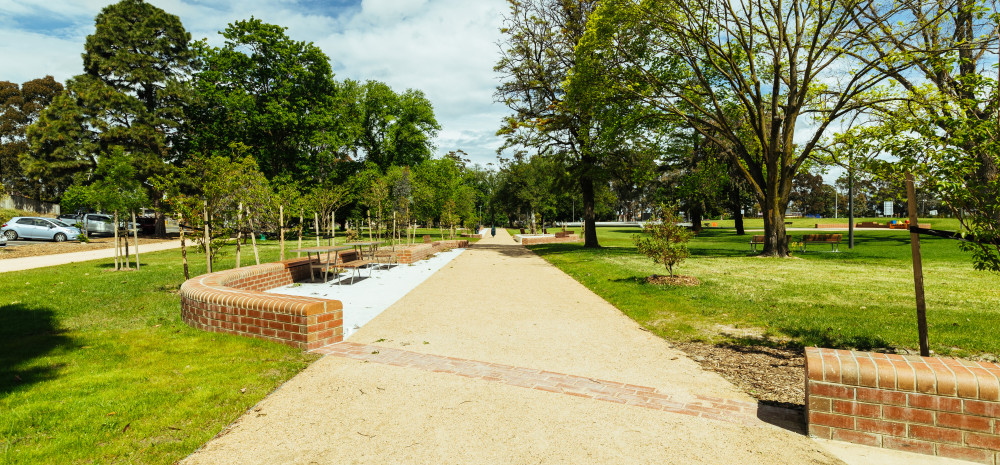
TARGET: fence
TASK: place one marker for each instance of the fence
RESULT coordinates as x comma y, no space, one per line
21,203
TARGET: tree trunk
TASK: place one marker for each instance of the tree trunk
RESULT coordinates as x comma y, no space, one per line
184,251
135,233
734,204
775,242
589,209
117,244
208,240
239,235
160,228
695,216
850,208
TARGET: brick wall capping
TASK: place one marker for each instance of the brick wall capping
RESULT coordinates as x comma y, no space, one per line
941,376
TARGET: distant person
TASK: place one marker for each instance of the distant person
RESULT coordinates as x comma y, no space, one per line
493,231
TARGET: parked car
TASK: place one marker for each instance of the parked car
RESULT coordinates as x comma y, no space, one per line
30,227
3,240
94,223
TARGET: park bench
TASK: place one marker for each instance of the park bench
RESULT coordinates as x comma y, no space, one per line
759,240
832,239
427,239
352,261
562,234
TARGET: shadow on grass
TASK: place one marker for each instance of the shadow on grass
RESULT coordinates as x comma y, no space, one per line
831,340
26,333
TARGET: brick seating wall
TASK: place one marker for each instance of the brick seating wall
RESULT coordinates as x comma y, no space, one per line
930,405
550,240
416,252
232,302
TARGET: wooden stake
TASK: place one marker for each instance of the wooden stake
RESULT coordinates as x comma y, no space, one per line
369,225
184,250
281,221
918,272
301,224
316,226
135,233
208,240
253,237
117,244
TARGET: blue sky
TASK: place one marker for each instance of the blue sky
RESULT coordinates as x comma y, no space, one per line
446,48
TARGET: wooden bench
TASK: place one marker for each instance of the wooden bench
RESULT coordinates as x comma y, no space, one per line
832,239
352,261
759,240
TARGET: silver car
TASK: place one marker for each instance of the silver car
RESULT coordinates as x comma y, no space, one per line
30,227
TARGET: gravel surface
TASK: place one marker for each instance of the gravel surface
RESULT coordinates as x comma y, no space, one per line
29,248
500,303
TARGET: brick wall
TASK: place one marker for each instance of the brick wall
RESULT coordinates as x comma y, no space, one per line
929,405
549,240
414,253
232,302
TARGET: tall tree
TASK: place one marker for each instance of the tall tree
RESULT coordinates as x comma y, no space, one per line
20,106
272,94
538,55
396,129
745,75
949,100
130,96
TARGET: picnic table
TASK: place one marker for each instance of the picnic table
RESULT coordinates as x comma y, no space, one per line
319,264
364,255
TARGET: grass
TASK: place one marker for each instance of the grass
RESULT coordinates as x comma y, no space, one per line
861,298
97,367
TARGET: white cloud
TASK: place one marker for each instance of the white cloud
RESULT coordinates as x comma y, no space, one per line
446,48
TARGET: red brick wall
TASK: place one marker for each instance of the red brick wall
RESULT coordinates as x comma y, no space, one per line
929,405
549,240
232,302
414,253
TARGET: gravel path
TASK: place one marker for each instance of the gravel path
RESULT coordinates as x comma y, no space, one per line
439,377
40,261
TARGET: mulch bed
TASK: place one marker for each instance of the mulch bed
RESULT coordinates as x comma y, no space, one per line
773,375
676,280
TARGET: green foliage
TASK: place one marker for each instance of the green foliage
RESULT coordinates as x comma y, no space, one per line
397,129
20,106
272,94
665,241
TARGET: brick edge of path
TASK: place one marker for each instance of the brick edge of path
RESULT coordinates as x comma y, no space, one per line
727,410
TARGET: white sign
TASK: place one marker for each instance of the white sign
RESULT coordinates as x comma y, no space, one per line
887,208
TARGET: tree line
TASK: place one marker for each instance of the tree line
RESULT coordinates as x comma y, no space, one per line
735,100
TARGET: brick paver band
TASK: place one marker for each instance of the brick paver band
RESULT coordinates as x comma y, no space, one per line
728,410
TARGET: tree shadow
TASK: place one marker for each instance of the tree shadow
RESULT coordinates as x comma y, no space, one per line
511,250
830,339
27,333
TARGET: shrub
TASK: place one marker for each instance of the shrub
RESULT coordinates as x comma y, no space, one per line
663,240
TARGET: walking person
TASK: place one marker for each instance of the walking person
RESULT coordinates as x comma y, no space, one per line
493,231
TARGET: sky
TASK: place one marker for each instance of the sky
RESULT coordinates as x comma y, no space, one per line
446,48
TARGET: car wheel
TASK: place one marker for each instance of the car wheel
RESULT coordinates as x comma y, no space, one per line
59,237
11,234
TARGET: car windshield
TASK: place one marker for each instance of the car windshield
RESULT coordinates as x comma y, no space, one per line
60,223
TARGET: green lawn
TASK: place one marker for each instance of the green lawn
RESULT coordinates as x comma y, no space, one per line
861,298
97,367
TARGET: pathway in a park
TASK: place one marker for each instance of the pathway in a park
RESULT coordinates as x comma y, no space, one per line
502,358
41,261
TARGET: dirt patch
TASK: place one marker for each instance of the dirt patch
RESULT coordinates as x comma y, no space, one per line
771,374
25,248
677,280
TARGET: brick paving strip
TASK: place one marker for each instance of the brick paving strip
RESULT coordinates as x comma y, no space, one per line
728,410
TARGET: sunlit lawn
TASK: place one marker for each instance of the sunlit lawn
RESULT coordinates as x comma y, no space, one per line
861,298
97,367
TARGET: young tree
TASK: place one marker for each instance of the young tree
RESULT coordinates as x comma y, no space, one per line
665,242
118,191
